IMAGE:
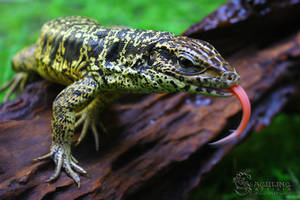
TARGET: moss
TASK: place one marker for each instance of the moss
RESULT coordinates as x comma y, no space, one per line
271,155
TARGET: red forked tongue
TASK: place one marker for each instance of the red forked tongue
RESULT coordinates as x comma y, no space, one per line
243,98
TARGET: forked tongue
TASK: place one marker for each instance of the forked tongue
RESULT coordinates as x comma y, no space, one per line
243,98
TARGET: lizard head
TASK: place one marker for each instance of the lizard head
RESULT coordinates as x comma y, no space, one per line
191,65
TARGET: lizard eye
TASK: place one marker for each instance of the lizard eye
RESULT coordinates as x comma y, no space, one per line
185,63
187,67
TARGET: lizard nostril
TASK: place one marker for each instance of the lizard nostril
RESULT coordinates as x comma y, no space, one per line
231,78
228,76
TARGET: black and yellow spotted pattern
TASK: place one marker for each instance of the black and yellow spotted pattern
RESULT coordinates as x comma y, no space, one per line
96,64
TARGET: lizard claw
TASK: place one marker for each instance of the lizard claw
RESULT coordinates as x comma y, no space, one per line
88,121
16,83
61,155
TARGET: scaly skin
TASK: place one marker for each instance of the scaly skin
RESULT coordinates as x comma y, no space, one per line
97,64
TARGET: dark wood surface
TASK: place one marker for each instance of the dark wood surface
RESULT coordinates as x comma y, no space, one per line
157,146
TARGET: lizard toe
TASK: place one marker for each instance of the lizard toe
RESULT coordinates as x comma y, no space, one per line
68,169
77,168
58,161
43,157
16,83
88,122
63,159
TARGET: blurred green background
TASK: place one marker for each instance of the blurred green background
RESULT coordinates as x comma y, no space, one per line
271,155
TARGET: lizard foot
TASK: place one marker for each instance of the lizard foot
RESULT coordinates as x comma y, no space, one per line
16,83
88,120
61,155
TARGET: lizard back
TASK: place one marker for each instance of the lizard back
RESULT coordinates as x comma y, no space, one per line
70,47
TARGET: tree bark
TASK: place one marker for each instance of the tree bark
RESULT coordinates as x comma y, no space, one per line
157,146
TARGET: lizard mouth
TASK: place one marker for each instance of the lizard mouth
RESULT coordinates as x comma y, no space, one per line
221,92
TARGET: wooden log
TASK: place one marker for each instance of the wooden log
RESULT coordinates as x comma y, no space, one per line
156,147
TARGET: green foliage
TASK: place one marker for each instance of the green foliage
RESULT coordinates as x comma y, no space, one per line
270,156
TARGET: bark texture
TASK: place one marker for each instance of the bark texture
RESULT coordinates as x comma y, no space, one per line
157,145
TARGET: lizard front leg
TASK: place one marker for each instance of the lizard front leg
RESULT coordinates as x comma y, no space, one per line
71,99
